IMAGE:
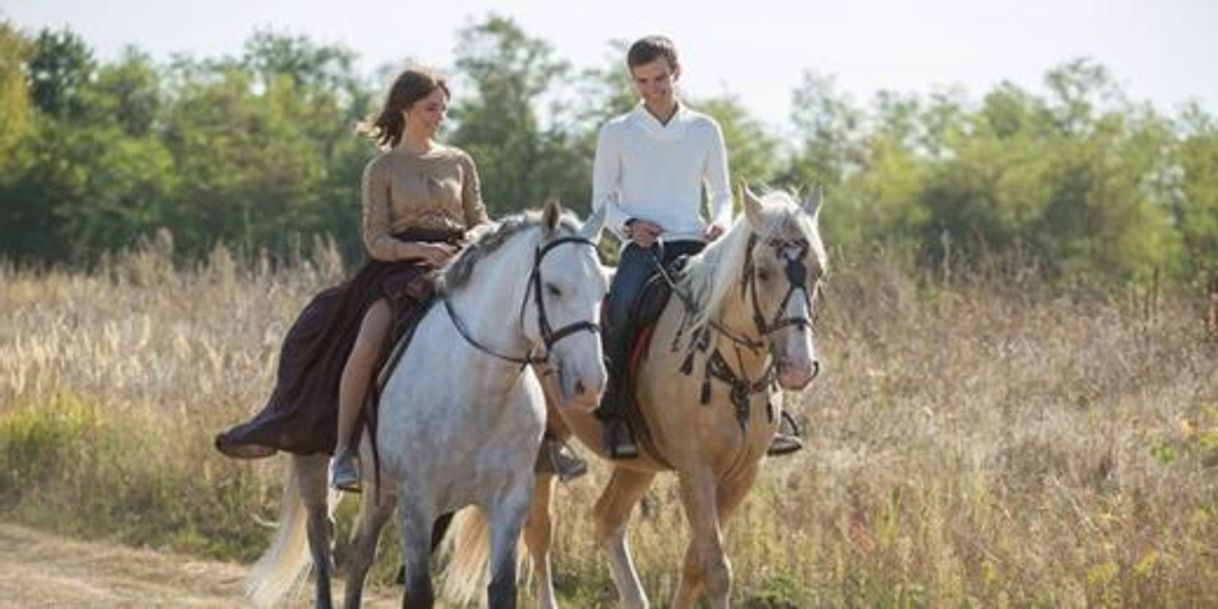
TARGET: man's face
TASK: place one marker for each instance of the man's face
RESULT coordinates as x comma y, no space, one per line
654,81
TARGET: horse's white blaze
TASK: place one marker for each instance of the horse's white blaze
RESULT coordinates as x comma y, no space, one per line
797,352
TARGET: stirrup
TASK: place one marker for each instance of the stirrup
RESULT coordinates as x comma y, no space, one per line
785,444
619,440
556,457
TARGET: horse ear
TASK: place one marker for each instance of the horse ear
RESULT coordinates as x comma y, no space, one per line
591,230
811,204
551,214
752,205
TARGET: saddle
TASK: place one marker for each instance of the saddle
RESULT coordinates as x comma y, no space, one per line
646,312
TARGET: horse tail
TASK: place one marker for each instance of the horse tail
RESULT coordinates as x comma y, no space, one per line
465,551
286,562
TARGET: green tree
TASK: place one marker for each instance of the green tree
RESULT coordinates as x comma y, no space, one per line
128,93
521,163
316,68
14,96
253,170
1192,188
1081,90
753,153
60,71
830,130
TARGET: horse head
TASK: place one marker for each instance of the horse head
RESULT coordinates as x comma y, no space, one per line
784,263
568,286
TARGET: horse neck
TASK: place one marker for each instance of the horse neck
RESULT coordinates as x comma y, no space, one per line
490,302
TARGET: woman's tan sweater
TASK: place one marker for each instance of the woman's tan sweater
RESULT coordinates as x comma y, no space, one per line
435,190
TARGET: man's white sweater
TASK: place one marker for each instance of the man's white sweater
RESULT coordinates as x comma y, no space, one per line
655,172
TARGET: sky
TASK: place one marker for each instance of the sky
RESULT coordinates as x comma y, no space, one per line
1164,51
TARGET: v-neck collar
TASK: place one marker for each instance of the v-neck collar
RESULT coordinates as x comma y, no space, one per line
651,124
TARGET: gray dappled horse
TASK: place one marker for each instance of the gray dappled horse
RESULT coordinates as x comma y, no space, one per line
462,412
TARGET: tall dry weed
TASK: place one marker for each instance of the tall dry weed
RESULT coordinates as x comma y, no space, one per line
983,443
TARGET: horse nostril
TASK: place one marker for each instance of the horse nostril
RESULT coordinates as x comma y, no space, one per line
579,388
815,369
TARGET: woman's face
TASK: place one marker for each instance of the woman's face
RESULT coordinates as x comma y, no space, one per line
426,116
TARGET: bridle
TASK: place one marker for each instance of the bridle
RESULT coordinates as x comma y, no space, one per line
741,387
794,251
549,335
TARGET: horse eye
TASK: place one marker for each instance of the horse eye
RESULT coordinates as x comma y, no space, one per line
553,290
763,274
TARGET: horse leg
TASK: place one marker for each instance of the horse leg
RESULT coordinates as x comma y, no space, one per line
506,521
706,569
437,537
538,529
556,426
416,526
625,489
372,518
730,493
311,476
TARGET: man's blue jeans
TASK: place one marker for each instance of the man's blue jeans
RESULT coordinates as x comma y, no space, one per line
635,267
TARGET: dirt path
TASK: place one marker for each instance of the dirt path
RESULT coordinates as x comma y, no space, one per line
43,570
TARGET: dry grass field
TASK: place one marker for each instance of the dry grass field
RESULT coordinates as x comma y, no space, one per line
983,443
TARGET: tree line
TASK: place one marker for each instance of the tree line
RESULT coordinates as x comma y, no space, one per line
259,151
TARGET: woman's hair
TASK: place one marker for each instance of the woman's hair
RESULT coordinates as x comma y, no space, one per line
409,87
648,49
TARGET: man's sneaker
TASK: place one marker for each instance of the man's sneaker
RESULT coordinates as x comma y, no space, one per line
344,472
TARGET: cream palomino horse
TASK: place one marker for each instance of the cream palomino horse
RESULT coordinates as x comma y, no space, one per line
741,324
462,412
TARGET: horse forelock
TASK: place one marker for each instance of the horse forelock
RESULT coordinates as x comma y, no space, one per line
785,218
711,275
458,272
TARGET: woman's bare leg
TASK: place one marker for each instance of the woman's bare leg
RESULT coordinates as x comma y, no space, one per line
353,387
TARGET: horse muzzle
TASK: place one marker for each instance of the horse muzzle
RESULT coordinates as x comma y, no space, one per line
796,375
584,396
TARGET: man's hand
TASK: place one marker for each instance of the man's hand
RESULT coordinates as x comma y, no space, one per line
713,231
644,233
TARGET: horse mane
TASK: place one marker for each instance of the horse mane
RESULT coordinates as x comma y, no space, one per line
710,275
457,273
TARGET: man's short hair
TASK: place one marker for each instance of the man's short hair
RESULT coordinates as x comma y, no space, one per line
648,49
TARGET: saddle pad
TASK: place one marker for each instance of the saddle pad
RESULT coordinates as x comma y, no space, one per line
638,349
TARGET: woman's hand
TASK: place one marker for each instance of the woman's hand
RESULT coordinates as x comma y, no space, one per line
437,254
474,233
434,255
